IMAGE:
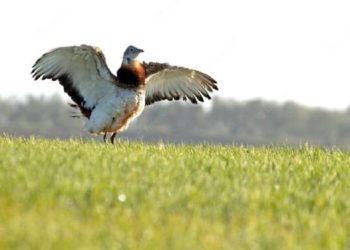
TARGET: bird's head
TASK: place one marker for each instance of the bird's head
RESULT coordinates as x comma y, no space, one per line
131,54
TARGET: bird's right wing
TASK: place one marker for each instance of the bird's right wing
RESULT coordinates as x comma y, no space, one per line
81,70
166,82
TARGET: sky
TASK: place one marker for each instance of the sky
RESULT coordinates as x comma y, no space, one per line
274,50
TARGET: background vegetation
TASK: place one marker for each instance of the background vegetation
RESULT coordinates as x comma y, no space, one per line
226,121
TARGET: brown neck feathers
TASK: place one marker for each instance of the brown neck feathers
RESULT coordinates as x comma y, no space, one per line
132,74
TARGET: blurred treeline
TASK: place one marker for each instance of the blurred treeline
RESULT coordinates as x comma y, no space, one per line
225,121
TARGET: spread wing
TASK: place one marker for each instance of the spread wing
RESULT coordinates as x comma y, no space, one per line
166,82
81,70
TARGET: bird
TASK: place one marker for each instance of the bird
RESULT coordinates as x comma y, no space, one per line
110,102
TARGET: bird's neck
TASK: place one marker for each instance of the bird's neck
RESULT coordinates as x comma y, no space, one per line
127,61
131,73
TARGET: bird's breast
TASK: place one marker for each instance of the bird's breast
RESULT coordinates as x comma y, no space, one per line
132,106
132,74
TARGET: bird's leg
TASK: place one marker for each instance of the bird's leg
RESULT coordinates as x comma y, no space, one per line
104,137
113,136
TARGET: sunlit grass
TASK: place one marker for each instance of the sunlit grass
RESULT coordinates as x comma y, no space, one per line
87,195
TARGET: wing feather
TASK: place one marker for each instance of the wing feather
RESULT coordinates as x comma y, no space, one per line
166,82
81,70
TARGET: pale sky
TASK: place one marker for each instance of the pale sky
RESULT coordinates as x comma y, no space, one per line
273,49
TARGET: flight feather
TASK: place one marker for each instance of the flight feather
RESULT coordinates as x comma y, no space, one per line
166,82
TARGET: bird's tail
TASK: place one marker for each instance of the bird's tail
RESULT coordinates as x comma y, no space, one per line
83,111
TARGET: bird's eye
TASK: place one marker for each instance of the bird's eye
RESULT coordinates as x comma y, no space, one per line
132,49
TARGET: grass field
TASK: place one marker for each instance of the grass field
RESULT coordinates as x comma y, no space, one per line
87,195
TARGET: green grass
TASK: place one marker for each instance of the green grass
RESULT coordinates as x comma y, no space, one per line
87,195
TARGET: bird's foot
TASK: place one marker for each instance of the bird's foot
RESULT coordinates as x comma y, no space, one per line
113,136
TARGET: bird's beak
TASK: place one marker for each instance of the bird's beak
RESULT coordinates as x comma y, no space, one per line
141,50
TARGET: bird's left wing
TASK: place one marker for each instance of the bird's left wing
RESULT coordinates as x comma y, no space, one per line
166,82
81,70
